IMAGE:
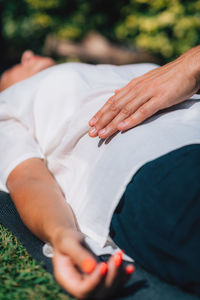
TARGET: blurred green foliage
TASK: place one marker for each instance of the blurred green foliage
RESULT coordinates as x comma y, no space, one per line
166,28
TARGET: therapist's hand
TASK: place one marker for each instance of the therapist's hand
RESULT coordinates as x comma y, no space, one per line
143,96
70,261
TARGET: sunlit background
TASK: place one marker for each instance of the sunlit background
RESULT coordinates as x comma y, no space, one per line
162,28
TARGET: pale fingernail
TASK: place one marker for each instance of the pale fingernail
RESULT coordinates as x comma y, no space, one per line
102,131
103,268
122,124
92,130
92,121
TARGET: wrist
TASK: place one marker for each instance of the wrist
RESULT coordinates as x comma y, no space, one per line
61,233
192,60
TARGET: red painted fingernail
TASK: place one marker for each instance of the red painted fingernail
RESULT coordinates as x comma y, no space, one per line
103,268
130,269
88,265
118,259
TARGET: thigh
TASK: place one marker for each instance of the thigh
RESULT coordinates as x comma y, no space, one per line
157,221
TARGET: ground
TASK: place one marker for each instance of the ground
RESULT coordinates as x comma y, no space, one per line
21,277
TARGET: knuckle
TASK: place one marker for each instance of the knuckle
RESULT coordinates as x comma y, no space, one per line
155,105
150,90
143,111
126,111
135,82
113,107
110,100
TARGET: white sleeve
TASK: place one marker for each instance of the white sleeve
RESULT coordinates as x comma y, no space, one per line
16,144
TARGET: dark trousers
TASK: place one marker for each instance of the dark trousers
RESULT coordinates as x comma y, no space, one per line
157,221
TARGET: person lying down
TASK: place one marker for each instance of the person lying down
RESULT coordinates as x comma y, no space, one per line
67,185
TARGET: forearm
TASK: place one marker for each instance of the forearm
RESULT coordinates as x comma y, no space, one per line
41,205
43,209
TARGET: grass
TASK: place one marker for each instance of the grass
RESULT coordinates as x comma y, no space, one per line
21,277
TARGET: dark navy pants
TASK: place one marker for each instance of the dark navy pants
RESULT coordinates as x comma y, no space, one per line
157,221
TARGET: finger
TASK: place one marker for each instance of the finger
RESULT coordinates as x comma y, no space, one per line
92,283
140,80
114,278
109,105
111,112
128,271
79,253
107,124
145,111
72,280
130,108
114,268
65,271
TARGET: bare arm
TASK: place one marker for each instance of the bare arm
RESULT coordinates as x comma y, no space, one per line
39,200
44,211
145,95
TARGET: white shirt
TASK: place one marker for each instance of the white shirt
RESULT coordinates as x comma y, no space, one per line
47,116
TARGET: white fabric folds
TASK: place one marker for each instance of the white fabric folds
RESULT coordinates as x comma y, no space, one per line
47,116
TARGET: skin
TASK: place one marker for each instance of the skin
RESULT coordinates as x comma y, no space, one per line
143,96
33,188
29,65
44,210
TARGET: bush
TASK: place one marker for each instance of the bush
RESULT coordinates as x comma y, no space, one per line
164,27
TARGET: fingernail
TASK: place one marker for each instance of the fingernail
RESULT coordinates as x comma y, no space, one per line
102,131
88,265
122,124
103,268
92,121
92,130
130,269
118,259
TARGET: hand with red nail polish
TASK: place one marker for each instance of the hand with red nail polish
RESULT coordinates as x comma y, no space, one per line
77,270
